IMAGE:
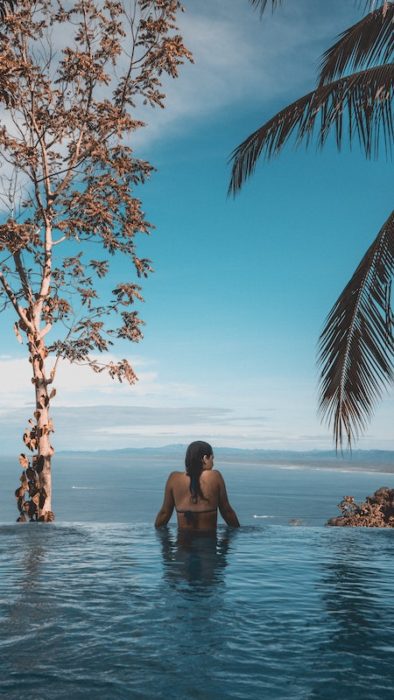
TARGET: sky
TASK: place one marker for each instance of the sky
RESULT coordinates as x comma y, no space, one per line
241,286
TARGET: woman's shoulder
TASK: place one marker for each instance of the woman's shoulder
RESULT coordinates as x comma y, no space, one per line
213,475
176,475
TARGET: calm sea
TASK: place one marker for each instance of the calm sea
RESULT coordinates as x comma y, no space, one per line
100,605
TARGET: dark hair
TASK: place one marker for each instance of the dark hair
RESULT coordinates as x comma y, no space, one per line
194,466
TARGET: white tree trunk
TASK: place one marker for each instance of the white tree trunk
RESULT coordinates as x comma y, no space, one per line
43,430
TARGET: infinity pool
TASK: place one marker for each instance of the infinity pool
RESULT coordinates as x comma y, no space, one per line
120,611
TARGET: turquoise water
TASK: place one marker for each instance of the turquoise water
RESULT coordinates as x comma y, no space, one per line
116,610
120,611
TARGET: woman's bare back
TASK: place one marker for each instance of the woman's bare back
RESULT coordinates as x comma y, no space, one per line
201,514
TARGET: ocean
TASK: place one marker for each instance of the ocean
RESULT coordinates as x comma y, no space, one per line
100,605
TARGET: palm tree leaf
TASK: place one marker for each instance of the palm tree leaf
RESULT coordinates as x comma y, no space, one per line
262,4
356,348
369,41
362,100
371,4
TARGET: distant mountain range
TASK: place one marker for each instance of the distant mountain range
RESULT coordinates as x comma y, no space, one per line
379,460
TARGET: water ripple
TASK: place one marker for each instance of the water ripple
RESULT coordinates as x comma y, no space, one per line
121,611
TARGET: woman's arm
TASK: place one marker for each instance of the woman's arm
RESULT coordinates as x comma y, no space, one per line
167,508
228,514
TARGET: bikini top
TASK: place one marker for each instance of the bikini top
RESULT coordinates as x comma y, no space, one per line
190,514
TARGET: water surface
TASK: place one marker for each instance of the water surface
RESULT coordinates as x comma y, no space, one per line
100,605
120,611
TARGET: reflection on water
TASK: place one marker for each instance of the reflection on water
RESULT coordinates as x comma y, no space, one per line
28,561
122,612
355,618
198,559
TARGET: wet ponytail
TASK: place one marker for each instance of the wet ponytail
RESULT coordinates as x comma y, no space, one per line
194,466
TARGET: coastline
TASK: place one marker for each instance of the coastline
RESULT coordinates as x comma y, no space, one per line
360,461
323,466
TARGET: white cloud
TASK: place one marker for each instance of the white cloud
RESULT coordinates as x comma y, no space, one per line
92,412
238,58
80,386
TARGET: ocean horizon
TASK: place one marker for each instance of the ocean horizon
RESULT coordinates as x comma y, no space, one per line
121,485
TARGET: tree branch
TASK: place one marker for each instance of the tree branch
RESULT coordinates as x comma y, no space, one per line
14,301
23,278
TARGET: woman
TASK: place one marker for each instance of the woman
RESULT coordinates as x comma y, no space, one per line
197,493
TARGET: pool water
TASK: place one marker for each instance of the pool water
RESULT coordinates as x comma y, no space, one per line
121,611
101,606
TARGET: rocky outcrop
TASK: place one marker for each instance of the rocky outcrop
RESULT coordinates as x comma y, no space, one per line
375,511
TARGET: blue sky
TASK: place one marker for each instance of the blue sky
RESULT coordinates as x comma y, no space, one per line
241,287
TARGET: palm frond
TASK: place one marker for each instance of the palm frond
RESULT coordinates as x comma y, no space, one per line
356,348
360,103
262,4
371,4
369,41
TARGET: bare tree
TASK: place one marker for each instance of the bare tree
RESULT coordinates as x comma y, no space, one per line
77,72
356,345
